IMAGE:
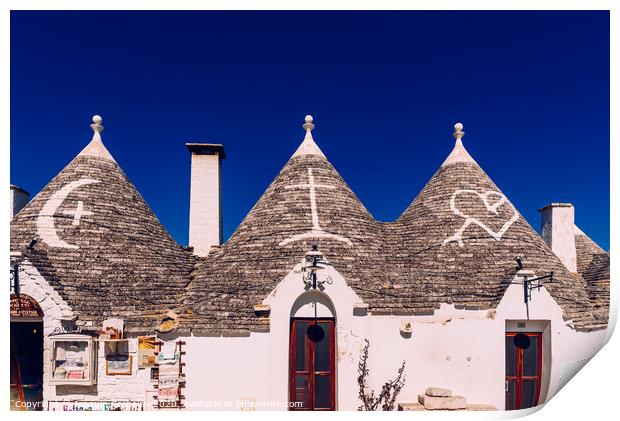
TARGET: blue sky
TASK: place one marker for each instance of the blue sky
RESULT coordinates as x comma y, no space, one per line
385,88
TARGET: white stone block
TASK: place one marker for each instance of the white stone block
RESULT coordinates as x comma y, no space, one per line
442,403
438,392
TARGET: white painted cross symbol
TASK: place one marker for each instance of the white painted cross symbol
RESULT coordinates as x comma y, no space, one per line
312,187
78,213
316,231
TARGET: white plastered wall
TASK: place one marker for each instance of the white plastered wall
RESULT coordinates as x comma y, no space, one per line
463,350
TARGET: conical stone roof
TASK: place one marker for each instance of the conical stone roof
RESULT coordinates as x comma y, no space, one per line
456,243
460,237
100,245
307,202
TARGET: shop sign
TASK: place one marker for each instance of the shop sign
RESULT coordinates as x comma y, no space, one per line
24,306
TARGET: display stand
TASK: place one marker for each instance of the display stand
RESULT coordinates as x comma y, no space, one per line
179,401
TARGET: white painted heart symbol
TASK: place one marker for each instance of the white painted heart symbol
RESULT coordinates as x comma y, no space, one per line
491,207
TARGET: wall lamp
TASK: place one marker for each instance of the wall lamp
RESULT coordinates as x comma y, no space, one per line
314,262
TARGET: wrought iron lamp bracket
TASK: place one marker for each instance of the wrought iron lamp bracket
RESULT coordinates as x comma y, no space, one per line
314,262
532,284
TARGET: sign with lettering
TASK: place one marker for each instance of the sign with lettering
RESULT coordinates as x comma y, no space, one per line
25,306
68,330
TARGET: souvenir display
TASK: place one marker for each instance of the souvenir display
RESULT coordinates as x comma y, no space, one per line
73,359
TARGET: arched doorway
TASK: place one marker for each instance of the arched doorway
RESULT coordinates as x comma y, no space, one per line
312,355
26,354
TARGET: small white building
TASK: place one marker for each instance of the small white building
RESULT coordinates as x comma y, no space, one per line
109,312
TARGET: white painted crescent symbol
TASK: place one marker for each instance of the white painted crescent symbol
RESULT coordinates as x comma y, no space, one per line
45,221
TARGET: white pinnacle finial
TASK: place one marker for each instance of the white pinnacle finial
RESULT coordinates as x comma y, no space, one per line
97,127
458,132
308,147
308,127
95,146
459,153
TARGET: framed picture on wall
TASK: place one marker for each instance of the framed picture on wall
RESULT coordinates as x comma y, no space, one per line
118,364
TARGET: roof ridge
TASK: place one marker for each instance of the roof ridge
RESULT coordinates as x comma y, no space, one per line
578,231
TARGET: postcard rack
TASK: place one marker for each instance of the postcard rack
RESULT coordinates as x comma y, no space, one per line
178,404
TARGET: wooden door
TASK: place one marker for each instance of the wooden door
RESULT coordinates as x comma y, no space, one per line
312,380
523,369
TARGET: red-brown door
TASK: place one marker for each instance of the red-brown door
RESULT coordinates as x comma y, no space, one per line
312,380
523,369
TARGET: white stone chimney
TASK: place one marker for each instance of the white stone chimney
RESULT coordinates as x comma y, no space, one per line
558,231
17,200
205,203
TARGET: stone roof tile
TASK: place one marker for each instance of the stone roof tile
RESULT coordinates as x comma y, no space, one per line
593,266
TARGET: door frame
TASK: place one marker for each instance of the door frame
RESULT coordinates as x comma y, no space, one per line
310,355
519,377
